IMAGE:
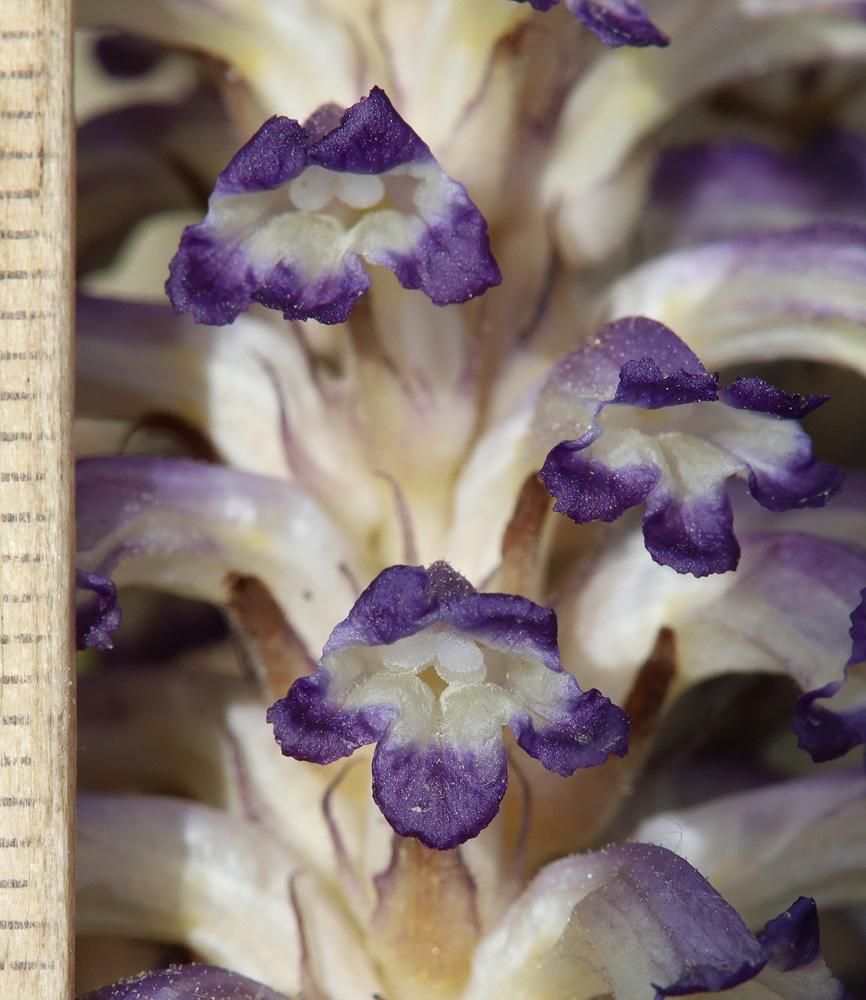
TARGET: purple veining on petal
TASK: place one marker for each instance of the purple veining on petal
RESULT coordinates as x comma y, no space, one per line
584,732
642,383
692,930
310,726
185,983
301,256
587,490
793,937
97,618
613,22
718,173
723,189
756,394
441,794
618,22
695,536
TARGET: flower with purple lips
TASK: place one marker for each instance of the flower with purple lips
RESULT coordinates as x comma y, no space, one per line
299,204
439,769
642,405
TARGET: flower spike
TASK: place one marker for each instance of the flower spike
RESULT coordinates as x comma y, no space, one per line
439,769
649,423
298,205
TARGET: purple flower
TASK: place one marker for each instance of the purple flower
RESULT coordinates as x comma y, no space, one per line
97,618
431,671
613,22
650,424
298,205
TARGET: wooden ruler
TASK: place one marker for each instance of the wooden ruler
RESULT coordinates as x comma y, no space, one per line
36,676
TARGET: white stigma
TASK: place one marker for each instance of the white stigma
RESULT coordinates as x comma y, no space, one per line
314,188
460,661
455,657
360,190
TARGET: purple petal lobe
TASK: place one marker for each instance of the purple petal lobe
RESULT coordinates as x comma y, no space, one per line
756,394
793,936
97,618
618,22
310,726
395,605
695,536
216,281
441,794
587,490
826,733
276,154
581,733
823,733
642,383
509,623
445,585
806,483
371,139
187,982
361,186
451,261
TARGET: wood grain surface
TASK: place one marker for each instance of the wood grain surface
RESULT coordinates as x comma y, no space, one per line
36,540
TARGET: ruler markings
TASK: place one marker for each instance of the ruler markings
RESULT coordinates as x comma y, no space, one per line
35,580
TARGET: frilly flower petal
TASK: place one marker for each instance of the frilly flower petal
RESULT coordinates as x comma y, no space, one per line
439,770
299,204
678,464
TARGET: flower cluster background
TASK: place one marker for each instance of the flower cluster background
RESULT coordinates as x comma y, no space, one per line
470,496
